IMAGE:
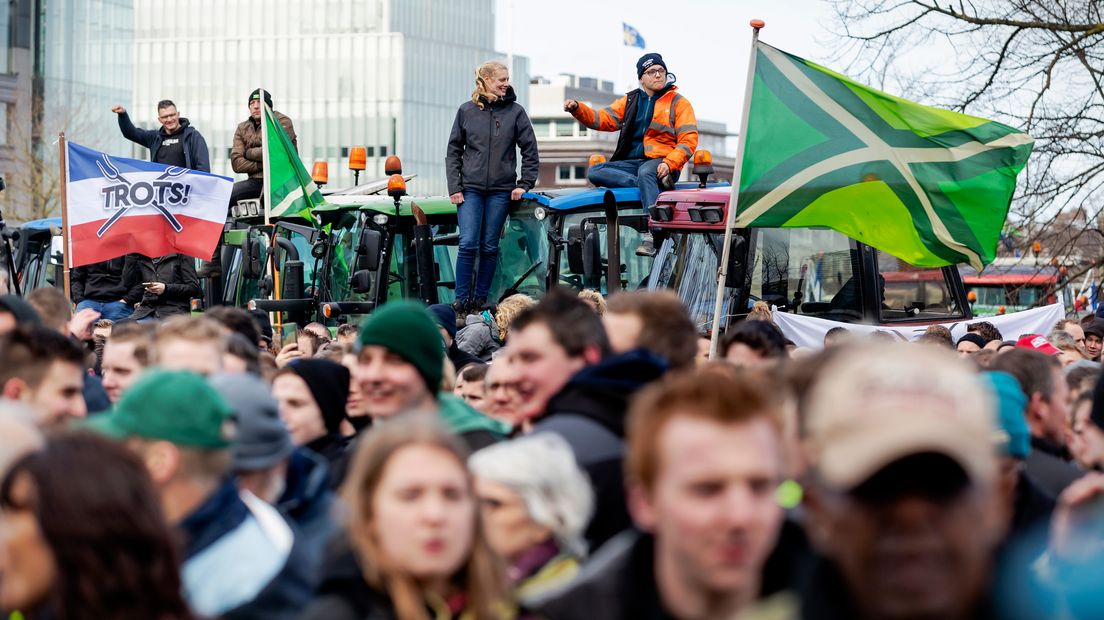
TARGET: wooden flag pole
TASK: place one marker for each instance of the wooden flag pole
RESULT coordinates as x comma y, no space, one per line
722,271
67,258
276,318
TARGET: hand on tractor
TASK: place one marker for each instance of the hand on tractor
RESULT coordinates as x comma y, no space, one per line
516,193
663,170
457,198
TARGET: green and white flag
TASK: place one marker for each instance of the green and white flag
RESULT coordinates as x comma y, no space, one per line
929,186
289,188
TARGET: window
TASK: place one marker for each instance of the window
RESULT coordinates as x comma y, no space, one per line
565,129
541,128
813,271
914,293
580,172
564,173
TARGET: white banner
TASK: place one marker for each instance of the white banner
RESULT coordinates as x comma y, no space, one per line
808,332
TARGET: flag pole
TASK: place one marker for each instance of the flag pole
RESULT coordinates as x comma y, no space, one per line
266,112
730,219
67,258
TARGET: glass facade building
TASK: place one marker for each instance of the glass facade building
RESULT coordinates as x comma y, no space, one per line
384,74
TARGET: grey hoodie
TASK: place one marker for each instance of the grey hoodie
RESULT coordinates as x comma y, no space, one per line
482,149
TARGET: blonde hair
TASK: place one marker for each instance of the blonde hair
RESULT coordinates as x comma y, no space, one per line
594,297
507,311
481,577
760,311
484,73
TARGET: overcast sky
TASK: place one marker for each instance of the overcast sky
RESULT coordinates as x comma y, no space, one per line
705,43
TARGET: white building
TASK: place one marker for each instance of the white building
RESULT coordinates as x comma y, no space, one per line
566,146
384,74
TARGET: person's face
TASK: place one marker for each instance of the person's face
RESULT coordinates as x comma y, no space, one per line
499,82
255,109
170,118
510,530
541,368
743,356
27,567
501,385
911,549
473,392
655,78
298,410
712,507
967,348
1076,331
120,368
424,512
1086,440
1068,356
59,396
355,405
623,330
199,356
703,350
388,383
1094,345
306,346
1057,408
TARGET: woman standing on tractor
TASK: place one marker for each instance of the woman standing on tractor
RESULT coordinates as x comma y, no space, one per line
481,164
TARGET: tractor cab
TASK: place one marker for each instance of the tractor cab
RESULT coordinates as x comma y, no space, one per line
809,271
37,253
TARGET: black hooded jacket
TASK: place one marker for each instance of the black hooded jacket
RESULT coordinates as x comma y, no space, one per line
196,156
105,282
589,412
482,149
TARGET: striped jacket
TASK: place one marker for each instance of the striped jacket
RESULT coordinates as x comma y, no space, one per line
672,134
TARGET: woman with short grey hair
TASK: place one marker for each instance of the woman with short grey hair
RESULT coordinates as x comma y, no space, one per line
536,503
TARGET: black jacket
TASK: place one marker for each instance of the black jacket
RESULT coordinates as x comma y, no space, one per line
482,149
1048,467
181,285
105,281
589,412
196,156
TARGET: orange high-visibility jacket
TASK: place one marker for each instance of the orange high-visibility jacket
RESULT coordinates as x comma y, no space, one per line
672,135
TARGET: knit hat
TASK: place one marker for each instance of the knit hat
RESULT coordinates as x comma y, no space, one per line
446,317
1095,328
261,440
256,95
20,309
647,61
974,338
406,329
170,405
329,384
1014,438
1035,342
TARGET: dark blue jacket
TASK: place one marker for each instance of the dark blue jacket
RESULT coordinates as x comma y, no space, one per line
195,147
307,502
242,560
589,412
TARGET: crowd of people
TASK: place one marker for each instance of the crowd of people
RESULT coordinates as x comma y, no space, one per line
577,460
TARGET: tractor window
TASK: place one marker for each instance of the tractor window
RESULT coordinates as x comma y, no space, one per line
687,264
522,255
811,271
634,269
914,293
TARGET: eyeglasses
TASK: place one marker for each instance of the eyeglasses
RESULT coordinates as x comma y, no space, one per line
657,72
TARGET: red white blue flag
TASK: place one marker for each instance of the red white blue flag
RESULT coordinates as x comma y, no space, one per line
116,206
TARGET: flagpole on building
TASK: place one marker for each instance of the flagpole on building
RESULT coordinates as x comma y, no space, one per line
722,271
67,258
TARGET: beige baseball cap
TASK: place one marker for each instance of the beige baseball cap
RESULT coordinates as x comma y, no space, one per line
875,405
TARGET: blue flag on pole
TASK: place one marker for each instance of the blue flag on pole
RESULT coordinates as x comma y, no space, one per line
632,37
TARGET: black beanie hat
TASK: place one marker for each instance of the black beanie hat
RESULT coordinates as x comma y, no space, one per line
256,94
329,384
23,312
973,337
647,61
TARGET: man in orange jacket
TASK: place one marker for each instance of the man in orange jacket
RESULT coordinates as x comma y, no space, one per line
658,132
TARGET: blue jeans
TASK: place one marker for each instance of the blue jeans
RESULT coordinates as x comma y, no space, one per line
481,217
110,310
639,173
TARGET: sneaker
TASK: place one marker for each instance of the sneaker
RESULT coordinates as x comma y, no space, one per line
461,307
478,304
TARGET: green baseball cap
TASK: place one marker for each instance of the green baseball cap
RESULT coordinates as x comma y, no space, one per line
175,406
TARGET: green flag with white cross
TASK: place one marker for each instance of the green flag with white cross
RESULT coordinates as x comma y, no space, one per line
291,190
929,186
